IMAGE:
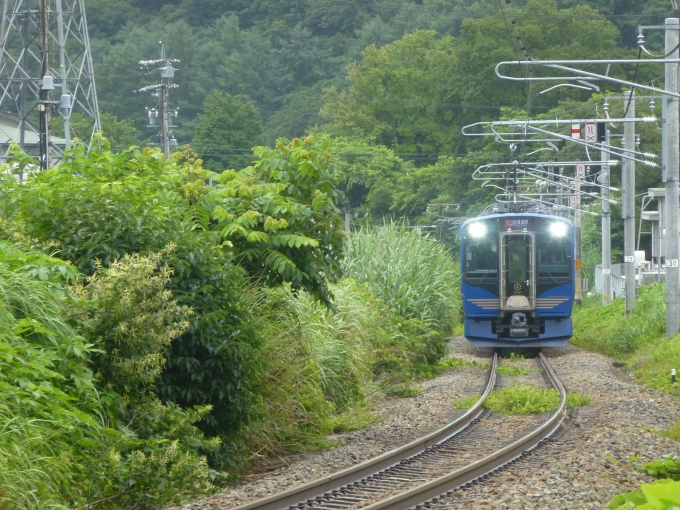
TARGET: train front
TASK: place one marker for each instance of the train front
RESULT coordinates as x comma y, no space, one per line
517,280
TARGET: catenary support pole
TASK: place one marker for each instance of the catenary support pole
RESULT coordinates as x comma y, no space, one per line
606,226
670,165
628,181
347,216
578,263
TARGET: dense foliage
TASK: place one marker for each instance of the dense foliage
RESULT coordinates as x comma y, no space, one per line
205,321
71,437
164,320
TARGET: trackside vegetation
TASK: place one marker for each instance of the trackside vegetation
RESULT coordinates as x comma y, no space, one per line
640,343
165,327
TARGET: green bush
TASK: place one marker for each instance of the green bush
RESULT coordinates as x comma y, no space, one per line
666,467
660,495
65,441
415,277
104,206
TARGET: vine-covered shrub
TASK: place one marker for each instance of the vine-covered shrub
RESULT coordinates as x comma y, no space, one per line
67,439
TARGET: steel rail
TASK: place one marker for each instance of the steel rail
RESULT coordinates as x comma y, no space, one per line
455,479
369,467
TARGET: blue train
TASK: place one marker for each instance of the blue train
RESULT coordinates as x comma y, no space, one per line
517,279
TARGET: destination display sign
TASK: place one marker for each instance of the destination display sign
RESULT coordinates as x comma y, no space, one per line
517,223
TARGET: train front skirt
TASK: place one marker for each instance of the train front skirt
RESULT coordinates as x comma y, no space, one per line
557,333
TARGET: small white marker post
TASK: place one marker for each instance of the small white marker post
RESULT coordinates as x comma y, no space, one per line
673,375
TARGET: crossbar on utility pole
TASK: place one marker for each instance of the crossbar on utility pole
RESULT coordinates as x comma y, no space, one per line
670,164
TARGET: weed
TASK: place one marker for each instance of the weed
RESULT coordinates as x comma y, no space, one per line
403,390
605,329
673,432
668,466
450,363
525,400
578,400
514,371
353,420
467,402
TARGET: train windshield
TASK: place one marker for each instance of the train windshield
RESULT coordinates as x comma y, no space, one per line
553,259
481,254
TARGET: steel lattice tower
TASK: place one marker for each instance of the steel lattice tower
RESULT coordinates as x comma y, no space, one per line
46,77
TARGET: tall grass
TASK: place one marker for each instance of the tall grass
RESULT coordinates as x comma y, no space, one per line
605,329
44,384
413,275
316,364
28,459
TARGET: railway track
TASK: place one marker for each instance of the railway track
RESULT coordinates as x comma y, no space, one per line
421,472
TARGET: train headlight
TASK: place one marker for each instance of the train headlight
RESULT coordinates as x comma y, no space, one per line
559,229
477,230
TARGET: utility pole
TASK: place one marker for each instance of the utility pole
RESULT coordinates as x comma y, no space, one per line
440,220
580,174
606,226
162,110
670,148
27,75
628,199
347,217
46,85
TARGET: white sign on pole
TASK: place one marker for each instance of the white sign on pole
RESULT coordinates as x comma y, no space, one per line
607,271
419,230
591,132
672,263
572,200
581,171
629,258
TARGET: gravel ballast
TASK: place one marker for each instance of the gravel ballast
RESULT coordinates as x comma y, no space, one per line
584,468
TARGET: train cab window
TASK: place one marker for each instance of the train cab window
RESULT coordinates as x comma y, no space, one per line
554,259
481,254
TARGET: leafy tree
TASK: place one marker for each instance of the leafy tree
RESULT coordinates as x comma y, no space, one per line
280,215
106,18
369,173
391,94
409,95
121,134
228,126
